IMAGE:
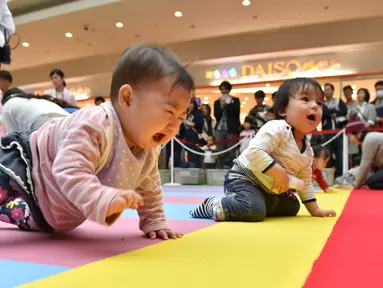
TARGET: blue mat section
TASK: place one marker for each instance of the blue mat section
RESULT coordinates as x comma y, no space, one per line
14,273
71,110
172,212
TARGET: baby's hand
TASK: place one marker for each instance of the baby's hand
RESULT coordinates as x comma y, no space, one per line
164,234
281,179
127,199
329,190
323,213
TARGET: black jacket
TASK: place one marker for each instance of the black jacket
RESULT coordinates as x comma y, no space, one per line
232,114
330,115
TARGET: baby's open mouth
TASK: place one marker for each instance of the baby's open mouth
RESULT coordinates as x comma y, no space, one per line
158,137
311,117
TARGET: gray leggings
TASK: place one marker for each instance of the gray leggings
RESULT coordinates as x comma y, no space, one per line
246,202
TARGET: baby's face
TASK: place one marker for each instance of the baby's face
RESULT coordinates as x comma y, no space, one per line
270,116
154,113
321,162
247,125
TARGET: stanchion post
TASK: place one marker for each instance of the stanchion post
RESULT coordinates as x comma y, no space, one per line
345,152
171,164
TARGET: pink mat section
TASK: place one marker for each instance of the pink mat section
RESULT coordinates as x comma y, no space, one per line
88,243
183,200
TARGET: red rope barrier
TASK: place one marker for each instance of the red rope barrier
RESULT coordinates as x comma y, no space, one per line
336,131
322,132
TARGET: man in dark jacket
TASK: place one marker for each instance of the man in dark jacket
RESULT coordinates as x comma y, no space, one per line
334,117
226,112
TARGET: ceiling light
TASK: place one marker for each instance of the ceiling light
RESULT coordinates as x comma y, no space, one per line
246,3
353,87
206,98
119,25
247,98
68,34
206,102
267,85
178,14
243,102
25,44
241,106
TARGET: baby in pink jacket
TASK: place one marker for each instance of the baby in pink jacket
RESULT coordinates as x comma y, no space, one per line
99,161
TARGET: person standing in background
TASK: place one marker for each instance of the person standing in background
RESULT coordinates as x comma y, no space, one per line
378,102
247,133
208,122
60,91
193,128
7,28
226,112
334,117
347,92
22,111
258,113
364,110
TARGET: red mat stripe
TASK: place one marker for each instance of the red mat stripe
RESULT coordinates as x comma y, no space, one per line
353,254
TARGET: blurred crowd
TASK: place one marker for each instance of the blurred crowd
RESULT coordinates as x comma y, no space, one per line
204,132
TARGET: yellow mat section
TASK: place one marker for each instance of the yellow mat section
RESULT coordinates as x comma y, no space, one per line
276,253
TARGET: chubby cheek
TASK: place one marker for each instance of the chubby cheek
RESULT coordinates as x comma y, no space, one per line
320,113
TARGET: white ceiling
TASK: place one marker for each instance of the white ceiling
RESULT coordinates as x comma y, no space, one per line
154,21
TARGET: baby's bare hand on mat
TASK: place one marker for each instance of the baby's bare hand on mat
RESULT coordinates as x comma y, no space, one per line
164,234
323,213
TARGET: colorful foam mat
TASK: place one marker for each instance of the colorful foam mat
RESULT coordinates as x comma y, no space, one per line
300,251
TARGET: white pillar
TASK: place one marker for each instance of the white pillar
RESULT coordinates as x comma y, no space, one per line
345,152
172,164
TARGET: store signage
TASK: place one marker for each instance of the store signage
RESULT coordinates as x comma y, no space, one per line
277,68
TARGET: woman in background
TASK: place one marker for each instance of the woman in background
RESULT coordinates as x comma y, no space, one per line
60,91
367,113
208,122
193,128
370,171
363,109
27,112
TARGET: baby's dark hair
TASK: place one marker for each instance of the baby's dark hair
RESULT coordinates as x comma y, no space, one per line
319,149
271,110
290,88
99,99
6,75
146,63
249,119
